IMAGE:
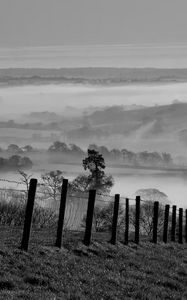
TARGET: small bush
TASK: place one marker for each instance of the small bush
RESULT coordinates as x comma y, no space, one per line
103,217
44,217
12,213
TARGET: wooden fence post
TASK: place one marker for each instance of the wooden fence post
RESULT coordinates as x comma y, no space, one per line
89,217
186,227
180,225
137,220
28,214
173,225
115,219
166,220
62,209
127,222
155,221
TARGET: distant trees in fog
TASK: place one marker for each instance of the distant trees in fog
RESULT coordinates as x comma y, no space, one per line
59,147
13,148
72,151
143,158
31,126
146,158
15,162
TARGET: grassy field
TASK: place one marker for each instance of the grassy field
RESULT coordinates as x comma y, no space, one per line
101,271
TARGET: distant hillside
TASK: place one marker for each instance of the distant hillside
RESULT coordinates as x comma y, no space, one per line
161,128
159,118
91,75
158,128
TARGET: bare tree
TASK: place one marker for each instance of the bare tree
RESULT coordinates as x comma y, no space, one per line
52,183
146,211
25,179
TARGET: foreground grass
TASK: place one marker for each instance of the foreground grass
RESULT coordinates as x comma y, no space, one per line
101,271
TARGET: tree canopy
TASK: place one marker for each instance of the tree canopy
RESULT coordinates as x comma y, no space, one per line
96,179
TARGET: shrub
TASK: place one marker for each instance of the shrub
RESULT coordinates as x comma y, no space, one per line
103,217
12,212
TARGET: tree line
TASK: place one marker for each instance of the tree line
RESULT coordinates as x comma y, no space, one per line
15,162
143,158
31,126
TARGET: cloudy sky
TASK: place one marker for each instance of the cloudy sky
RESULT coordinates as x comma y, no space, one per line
84,33
84,22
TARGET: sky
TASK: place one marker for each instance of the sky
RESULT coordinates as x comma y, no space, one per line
93,33
83,22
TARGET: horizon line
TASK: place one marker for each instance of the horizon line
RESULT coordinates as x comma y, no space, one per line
161,45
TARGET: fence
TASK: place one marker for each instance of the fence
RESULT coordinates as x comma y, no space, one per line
87,216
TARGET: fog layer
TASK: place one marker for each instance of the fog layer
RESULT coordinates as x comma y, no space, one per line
56,97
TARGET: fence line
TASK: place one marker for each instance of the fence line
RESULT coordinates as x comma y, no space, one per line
66,205
73,195
10,181
18,182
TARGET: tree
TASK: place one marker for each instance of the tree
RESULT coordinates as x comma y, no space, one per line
11,124
3,162
75,150
129,157
52,184
15,161
149,196
13,148
26,162
115,154
27,148
58,147
25,179
104,151
167,159
97,179
146,217
81,183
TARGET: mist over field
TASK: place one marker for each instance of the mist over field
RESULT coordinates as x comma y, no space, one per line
25,99
84,113
141,111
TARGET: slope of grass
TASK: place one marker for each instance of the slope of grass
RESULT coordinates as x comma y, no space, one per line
101,271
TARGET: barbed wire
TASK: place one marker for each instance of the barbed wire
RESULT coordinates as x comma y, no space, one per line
76,210
80,197
20,182
11,181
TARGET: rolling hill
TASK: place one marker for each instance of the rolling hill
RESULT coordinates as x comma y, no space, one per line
107,76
